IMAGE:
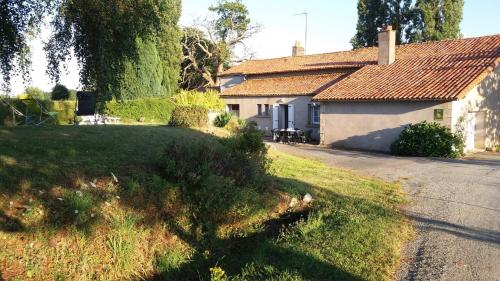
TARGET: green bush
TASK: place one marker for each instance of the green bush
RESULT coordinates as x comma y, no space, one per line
218,176
428,140
60,92
189,117
222,119
147,109
209,100
65,111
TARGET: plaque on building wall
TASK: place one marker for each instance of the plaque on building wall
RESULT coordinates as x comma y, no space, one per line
438,114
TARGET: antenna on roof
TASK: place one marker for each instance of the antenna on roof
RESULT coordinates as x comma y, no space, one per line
306,14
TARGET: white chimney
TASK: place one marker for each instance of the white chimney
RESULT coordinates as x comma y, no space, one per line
297,50
386,46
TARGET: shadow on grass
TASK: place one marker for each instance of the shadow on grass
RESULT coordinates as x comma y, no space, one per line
47,165
10,224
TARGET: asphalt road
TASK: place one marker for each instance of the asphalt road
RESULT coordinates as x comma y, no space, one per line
455,209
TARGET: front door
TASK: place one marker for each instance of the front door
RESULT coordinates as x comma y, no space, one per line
471,131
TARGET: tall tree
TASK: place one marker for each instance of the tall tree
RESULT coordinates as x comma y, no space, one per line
208,52
105,36
18,20
373,14
436,20
200,64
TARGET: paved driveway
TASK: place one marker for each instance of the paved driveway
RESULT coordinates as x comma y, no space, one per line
455,209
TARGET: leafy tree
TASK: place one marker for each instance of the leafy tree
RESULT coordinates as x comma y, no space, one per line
35,93
108,36
18,20
373,14
206,56
143,77
436,20
60,92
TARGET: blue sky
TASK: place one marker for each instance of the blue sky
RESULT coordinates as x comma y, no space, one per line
332,23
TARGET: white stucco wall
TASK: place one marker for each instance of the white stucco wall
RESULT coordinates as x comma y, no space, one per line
484,101
374,125
248,110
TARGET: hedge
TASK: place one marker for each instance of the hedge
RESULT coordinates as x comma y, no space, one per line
149,109
65,110
210,100
189,116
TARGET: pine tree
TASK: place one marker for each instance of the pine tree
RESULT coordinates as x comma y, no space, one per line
373,14
436,20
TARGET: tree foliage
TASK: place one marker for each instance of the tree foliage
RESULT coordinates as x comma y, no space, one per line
60,92
437,20
209,52
373,14
18,20
426,20
143,76
107,35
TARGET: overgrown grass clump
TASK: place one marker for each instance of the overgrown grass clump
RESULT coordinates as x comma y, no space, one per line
185,206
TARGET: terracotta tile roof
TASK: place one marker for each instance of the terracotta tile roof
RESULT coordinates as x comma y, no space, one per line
444,70
347,59
287,85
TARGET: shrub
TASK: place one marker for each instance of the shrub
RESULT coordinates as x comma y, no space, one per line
235,124
65,110
218,177
150,109
60,92
222,119
241,157
428,140
209,100
189,116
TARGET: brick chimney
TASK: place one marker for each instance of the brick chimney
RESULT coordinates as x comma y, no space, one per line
297,50
386,46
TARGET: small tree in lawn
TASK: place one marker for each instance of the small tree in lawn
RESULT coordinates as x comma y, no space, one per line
60,92
211,49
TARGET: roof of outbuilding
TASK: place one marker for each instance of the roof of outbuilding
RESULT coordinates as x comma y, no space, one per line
444,70
292,84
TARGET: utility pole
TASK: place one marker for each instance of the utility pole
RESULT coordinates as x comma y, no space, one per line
306,14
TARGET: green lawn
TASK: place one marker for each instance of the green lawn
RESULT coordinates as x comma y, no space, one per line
63,217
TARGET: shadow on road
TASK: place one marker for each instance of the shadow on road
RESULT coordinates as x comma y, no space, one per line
472,233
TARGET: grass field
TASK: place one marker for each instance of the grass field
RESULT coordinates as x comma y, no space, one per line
64,215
